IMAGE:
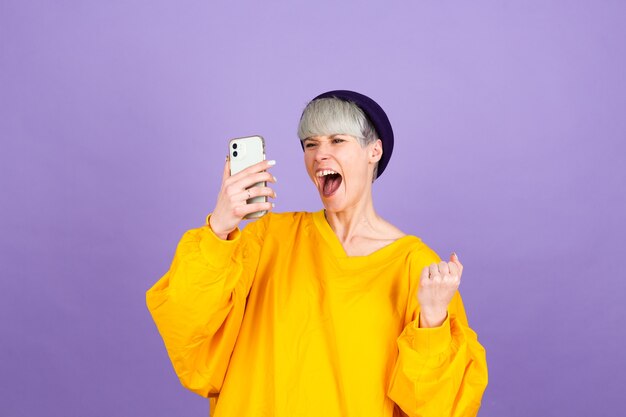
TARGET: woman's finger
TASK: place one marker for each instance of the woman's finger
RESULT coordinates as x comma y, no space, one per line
226,172
433,271
248,181
443,268
255,192
455,258
453,268
254,169
424,275
246,209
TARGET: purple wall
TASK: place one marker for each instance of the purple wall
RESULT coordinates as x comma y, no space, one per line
114,119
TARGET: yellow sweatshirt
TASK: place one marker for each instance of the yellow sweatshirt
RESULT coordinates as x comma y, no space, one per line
279,321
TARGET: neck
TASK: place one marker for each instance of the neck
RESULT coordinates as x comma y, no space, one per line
356,220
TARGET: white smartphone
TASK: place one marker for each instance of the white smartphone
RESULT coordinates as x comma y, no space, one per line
245,152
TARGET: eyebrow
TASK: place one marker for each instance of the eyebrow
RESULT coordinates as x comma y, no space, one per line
330,136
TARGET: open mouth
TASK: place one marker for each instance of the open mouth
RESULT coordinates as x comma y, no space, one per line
329,181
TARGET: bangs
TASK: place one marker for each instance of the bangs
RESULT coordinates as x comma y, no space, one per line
331,116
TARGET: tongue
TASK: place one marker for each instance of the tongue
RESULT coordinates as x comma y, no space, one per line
331,184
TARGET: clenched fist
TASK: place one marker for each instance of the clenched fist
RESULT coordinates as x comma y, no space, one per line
438,283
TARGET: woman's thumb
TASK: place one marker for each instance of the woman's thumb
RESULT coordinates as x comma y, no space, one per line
226,173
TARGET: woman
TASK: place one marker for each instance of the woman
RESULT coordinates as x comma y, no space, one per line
333,313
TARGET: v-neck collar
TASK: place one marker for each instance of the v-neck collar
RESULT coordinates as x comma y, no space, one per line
338,252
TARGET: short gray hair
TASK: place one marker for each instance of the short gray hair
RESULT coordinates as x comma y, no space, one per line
333,116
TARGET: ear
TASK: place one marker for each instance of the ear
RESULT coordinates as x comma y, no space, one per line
376,151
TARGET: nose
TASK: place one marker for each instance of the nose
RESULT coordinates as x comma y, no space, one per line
322,153
319,157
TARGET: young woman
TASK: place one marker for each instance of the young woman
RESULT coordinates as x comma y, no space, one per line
332,313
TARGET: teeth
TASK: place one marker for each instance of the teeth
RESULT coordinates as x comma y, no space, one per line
325,172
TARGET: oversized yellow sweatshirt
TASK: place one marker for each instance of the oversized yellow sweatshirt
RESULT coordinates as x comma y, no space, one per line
279,321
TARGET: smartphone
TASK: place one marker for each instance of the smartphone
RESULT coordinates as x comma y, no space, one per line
245,152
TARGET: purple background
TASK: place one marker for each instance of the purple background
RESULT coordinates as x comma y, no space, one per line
114,119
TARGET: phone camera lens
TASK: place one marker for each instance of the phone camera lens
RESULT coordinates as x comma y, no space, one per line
234,146
235,153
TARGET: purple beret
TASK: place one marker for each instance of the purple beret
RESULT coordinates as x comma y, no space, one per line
377,117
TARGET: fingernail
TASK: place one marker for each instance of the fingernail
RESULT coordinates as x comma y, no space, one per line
455,255
275,179
274,194
271,162
273,205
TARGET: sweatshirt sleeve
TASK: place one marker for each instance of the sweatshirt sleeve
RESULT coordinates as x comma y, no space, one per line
198,305
439,371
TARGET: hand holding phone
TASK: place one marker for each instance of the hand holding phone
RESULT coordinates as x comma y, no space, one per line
244,190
